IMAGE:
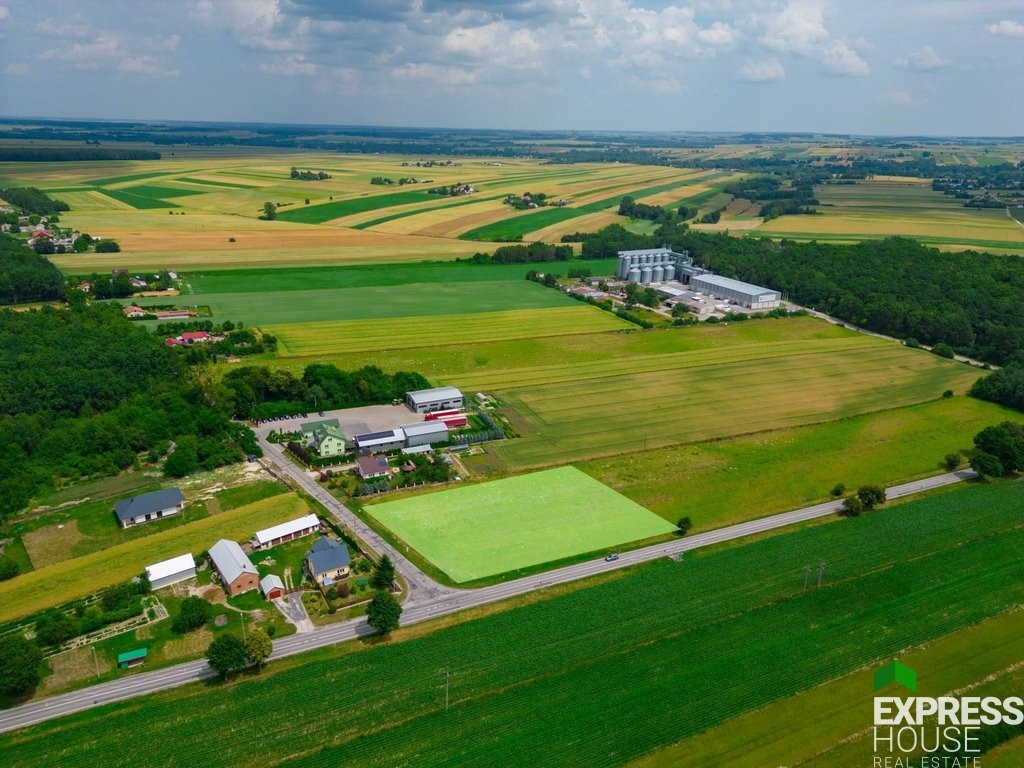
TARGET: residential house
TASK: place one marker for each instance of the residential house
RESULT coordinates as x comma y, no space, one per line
133,311
327,561
237,573
372,466
136,510
328,441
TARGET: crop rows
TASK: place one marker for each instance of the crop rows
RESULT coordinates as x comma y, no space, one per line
80,576
660,407
601,675
317,214
304,339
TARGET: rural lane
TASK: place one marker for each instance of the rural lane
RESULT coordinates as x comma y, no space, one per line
439,601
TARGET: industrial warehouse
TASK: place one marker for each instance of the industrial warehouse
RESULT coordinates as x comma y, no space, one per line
675,276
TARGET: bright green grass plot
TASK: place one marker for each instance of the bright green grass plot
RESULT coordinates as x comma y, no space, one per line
491,528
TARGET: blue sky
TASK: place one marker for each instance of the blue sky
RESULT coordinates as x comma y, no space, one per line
934,67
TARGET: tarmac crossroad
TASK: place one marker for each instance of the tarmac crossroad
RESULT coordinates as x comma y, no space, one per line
426,600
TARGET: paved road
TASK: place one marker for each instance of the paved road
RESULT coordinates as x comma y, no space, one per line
442,601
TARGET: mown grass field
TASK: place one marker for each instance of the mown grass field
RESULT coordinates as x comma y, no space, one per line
506,525
602,675
575,411
327,338
80,576
876,209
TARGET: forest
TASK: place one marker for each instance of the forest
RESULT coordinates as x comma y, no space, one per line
260,392
972,301
83,393
32,200
25,275
70,154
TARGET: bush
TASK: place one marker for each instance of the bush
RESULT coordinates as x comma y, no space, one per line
838,490
107,246
54,627
19,664
194,613
944,350
8,569
332,593
952,461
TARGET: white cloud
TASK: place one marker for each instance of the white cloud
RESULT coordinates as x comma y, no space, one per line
145,65
765,71
16,68
101,51
719,34
447,76
925,60
799,29
902,98
254,23
292,64
1006,28
5,16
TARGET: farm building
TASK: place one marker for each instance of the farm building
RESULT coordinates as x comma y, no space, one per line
328,441
744,294
369,467
327,561
136,510
171,571
278,534
437,399
425,433
380,441
237,572
655,265
272,587
130,659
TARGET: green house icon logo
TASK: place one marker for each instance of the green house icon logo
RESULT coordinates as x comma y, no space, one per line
894,672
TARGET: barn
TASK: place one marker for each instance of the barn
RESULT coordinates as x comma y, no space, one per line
278,534
168,572
236,570
272,587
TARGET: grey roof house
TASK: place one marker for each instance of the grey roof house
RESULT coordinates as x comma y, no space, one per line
327,561
236,570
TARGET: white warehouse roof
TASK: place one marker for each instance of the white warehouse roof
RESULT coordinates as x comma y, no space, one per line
431,395
285,529
735,285
166,568
425,428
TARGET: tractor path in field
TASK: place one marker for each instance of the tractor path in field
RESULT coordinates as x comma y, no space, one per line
441,602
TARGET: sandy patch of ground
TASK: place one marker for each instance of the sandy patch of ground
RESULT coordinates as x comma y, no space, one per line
71,666
52,543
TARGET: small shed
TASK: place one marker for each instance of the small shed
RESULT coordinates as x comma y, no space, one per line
272,586
171,571
130,659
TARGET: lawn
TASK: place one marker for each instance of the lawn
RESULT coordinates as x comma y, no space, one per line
59,583
610,672
507,525
577,411
325,338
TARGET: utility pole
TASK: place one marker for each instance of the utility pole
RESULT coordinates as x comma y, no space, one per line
243,625
807,576
96,659
821,571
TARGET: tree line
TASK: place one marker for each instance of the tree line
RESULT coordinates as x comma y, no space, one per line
26,275
524,254
262,392
72,154
32,200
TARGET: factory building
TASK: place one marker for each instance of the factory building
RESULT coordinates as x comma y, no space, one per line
656,265
736,291
425,433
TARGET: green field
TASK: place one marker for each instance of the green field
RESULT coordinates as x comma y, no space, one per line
64,581
507,525
329,338
317,214
720,482
575,411
602,675
371,302
142,202
366,275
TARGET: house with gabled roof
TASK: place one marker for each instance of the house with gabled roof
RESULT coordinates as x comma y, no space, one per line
136,510
237,573
327,561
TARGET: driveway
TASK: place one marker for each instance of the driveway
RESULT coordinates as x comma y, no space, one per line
293,609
